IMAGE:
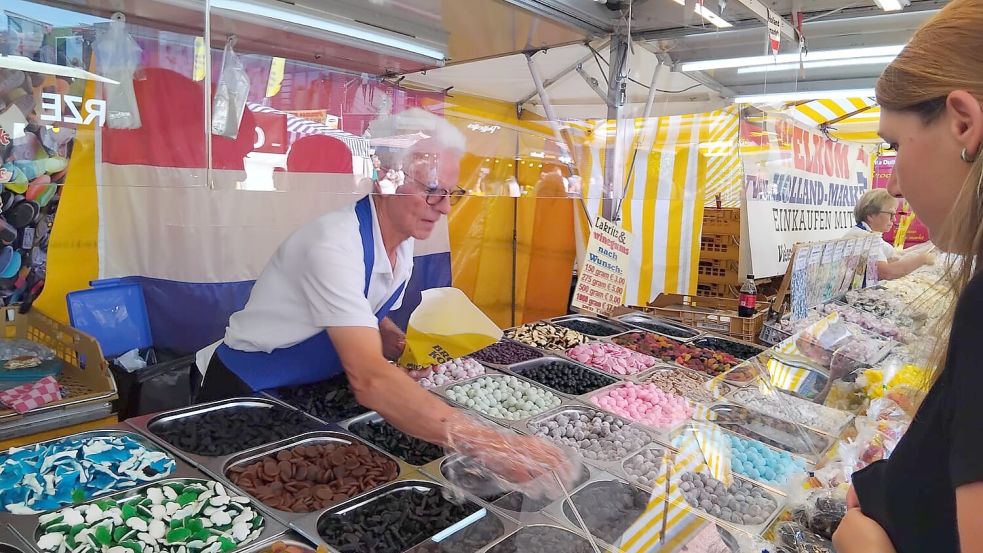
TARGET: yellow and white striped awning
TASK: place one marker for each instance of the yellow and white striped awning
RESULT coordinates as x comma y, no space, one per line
849,119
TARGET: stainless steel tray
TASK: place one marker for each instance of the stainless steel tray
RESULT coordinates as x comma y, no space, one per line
287,538
28,525
499,366
442,391
372,417
675,495
660,363
793,399
12,542
144,424
609,465
614,326
557,512
307,526
812,456
633,320
519,368
725,388
662,433
549,523
702,342
181,468
312,438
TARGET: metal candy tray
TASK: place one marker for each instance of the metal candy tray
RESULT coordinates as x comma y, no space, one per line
373,417
802,435
662,433
707,341
614,326
715,387
287,538
145,425
558,512
519,369
676,498
612,465
442,391
28,526
308,527
12,542
499,366
670,329
119,429
661,363
835,431
312,438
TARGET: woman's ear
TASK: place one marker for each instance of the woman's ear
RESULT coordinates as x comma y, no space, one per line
965,120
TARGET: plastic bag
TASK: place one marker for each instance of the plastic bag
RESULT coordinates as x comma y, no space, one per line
118,58
445,326
230,95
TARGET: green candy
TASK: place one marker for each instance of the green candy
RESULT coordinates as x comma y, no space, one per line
132,546
176,523
61,528
187,497
103,535
78,495
76,529
129,511
119,533
227,544
194,524
178,535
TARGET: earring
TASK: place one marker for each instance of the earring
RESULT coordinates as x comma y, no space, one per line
966,157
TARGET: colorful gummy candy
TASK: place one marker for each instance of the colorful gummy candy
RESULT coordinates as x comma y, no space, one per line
51,475
182,516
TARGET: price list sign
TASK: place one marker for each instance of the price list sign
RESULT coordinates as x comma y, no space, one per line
603,275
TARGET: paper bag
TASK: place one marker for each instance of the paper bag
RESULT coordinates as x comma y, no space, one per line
446,325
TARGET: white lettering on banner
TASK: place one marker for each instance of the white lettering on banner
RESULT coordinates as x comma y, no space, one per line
800,187
602,280
78,113
478,127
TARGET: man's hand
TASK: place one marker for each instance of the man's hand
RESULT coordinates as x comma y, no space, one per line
393,339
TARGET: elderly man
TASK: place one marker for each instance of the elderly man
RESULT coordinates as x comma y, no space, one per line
320,308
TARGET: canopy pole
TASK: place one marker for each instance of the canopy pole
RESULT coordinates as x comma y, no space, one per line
646,113
614,166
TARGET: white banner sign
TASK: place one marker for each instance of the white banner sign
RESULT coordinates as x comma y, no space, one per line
603,276
801,187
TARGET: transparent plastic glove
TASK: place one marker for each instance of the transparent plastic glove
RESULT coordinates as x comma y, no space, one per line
230,95
514,462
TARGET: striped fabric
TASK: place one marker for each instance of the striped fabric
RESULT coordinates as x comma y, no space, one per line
298,127
672,165
856,119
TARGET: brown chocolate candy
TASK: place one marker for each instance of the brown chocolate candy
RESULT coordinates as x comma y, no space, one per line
309,478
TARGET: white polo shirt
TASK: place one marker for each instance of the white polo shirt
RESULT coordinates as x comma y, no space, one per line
316,280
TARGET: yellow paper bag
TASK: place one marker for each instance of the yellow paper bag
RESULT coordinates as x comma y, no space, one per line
446,325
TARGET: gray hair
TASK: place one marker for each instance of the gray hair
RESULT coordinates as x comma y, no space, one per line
434,135
871,203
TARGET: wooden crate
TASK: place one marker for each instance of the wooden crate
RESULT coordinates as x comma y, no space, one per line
717,315
717,271
707,290
85,373
723,247
726,220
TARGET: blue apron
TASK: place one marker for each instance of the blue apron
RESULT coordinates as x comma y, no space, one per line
315,358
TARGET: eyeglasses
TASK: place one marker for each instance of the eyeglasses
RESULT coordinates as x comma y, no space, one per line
437,193
896,214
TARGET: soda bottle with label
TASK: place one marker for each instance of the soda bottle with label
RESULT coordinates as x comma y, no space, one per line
748,298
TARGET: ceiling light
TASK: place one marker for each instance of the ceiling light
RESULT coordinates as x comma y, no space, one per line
880,60
890,5
823,55
707,15
345,28
782,97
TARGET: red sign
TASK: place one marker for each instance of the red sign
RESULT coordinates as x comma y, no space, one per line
917,233
271,133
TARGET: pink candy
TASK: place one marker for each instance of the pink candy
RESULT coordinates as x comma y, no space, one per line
611,358
644,403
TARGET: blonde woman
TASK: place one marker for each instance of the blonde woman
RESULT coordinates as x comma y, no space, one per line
928,497
875,213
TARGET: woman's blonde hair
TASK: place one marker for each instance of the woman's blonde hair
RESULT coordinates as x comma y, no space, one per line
872,203
943,56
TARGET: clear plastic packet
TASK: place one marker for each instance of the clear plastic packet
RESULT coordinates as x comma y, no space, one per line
792,537
118,58
230,94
